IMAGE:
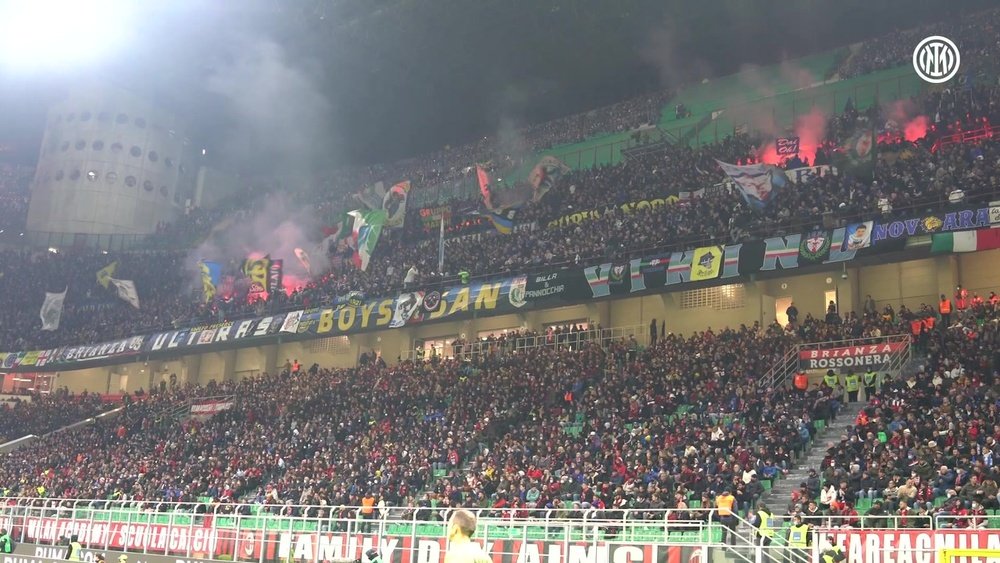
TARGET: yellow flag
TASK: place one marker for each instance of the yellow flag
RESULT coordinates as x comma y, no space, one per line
706,263
105,274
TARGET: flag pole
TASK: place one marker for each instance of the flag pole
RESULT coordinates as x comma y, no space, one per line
441,248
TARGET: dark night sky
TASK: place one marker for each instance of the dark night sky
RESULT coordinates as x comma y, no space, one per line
373,80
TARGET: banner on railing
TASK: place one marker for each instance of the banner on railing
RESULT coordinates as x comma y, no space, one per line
211,408
655,272
866,356
908,545
160,541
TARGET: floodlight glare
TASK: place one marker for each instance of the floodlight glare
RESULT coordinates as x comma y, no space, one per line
60,34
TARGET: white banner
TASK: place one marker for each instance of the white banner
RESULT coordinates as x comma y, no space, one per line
52,310
126,290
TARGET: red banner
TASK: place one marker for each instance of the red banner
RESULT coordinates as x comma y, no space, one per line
873,356
305,547
910,546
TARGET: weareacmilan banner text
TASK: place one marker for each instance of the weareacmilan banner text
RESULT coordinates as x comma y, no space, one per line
910,546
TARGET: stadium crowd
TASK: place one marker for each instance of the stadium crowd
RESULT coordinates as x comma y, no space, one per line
975,36
578,421
15,181
925,445
40,414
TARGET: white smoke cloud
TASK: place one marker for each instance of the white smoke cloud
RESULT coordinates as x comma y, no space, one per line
273,228
276,107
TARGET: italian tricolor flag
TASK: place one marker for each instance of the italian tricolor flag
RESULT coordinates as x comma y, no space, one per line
966,241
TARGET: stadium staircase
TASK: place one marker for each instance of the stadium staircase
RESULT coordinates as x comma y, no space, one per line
902,364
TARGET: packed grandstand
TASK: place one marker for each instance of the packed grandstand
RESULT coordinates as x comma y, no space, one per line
653,429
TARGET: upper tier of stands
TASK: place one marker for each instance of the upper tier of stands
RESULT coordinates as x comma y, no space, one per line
164,279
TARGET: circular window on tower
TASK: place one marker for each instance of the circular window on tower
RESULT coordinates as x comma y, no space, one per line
153,157
121,119
97,145
85,116
104,117
135,151
147,185
80,145
116,148
169,162
92,175
130,181
59,176
111,178
140,123
74,175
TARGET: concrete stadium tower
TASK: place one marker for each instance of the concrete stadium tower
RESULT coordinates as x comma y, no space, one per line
111,163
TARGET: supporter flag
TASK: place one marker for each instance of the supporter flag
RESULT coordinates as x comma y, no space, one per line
758,183
856,156
484,186
858,236
706,263
502,221
787,146
303,257
966,241
52,309
257,271
126,291
815,246
371,196
211,277
275,275
751,258
545,174
105,273
367,229
394,205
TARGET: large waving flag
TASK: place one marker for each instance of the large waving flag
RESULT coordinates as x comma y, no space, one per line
502,221
758,183
258,271
211,277
544,175
104,274
52,309
484,186
394,204
856,157
126,291
367,229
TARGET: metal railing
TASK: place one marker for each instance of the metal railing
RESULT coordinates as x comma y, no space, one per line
277,533
513,343
311,534
775,378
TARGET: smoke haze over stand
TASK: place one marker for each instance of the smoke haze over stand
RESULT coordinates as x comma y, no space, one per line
278,115
275,228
